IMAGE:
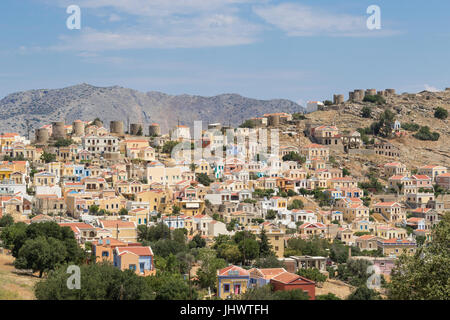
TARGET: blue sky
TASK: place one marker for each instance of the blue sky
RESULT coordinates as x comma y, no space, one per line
299,50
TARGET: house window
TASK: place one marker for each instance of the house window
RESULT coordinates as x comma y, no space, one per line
226,288
132,267
105,254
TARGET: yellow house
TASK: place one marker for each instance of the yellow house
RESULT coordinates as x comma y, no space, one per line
5,173
232,280
356,211
392,211
140,216
396,247
7,139
120,230
44,179
203,167
156,198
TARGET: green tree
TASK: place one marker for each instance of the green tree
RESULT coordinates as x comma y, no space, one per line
197,242
168,146
265,248
230,252
270,261
249,248
41,254
271,214
179,235
296,294
165,247
366,112
100,281
6,221
171,286
354,272
313,274
266,293
424,275
328,296
176,210
48,157
210,263
203,179
94,209
364,293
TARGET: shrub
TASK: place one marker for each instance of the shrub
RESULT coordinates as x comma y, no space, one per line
366,112
440,113
374,99
425,134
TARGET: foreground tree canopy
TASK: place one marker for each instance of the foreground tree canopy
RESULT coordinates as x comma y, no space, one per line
426,275
105,282
41,247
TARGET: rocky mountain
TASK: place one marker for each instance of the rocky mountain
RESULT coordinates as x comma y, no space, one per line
87,102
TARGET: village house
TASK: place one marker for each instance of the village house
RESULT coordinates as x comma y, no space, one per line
232,280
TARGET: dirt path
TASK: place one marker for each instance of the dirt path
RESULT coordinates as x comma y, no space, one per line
14,285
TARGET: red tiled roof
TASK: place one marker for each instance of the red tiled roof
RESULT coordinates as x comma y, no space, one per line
140,251
288,277
115,223
241,271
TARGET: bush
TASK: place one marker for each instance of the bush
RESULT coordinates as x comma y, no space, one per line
168,146
425,134
366,112
440,113
296,204
411,126
313,274
294,156
374,99
328,296
298,116
203,179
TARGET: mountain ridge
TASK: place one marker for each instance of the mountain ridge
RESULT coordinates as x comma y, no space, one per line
87,102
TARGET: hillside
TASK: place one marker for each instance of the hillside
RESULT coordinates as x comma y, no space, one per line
87,102
409,108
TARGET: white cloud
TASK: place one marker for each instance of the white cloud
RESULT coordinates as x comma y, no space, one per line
114,18
205,31
431,88
152,8
300,20
162,24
